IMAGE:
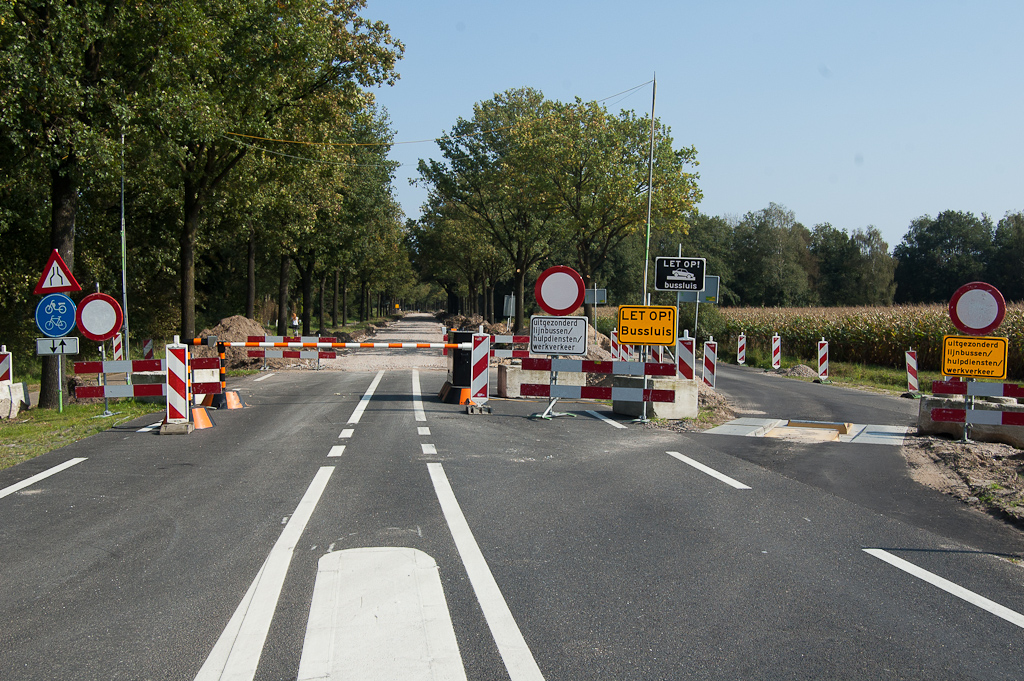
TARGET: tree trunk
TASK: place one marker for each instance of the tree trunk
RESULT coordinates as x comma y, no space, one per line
364,302
187,264
323,290
250,289
64,207
334,311
344,299
306,273
520,284
282,296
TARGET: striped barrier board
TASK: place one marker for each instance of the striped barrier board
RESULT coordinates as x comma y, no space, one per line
710,362
292,354
178,397
507,353
684,357
479,386
823,360
588,366
134,390
118,347
615,344
977,389
120,367
208,382
776,351
741,349
147,348
6,372
979,417
597,393
913,385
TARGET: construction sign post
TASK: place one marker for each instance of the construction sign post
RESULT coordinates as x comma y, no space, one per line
974,356
647,325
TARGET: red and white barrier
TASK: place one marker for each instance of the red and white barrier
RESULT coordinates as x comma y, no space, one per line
506,353
588,366
977,389
684,356
978,416
147,348
205,375
913,385
119,367
710,362
776,351
823,359
741,349
595,392
6,366
615,344
178,393
479,385
118,347
284,341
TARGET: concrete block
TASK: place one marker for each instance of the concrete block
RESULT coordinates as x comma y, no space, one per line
1011,435
13,398
684,407
510,377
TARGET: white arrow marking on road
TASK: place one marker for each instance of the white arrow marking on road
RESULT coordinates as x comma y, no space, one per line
1011,616
39,476
236,655
710,471
511,645
365,399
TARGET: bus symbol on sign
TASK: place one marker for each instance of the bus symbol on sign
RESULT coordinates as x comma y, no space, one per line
679,274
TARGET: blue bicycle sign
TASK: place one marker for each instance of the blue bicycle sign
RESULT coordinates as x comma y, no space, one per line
55,315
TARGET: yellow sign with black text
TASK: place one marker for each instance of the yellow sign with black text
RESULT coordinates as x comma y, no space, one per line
974,356
647,324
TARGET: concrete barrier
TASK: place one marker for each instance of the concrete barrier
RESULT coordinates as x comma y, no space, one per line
1011,435
684,407
13,398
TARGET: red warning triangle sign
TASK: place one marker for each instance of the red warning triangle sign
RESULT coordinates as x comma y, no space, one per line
57,277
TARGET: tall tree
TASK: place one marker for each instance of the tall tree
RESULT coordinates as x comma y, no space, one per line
772,256
876,269
938,255
1008,256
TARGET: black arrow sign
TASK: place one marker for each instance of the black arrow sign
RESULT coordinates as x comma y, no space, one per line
53,346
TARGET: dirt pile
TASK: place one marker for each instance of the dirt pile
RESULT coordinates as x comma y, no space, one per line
800,371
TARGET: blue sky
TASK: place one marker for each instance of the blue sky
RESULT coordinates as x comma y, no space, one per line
857,114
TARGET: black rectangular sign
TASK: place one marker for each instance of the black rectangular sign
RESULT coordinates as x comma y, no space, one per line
679,274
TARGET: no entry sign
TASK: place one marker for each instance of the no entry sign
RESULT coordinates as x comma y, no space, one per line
559,290
99,317
977,308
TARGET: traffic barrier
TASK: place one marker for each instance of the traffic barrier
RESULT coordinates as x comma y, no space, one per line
178,393
710,362
615,344
506,353
979,417
589,366
741,349
776,351
147,348
595,392
684,356
822,360
913,385
6,366
398,346
480,385
977,389
208,381
971,416
120,367
293,354
118,347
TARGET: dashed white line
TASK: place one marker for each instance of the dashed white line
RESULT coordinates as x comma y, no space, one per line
236,655
1011,616
347,432
262,378
417,398
39,476
710,471
604,418
423,430
357,413
337,450
428,449
515,653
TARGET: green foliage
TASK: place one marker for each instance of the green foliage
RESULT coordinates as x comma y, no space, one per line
939,255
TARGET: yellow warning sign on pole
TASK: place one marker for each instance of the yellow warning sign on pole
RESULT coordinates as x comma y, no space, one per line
974,356
647,324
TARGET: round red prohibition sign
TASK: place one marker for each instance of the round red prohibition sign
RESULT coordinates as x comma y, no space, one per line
977,308
559,290
99,317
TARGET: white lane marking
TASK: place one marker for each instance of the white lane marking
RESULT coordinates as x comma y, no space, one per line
423,430
417,398
262,378
337,450
379,613
347,432
39,476
428,449
150,428
511,645
1011,616
357,413
604,418
710,471
236,654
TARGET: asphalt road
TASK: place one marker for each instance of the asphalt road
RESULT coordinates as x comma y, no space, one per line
585,550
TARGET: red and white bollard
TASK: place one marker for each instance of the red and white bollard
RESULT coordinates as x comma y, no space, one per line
684,356
710,362
147,348
118,348
6,368
776,352
479,385
178,387
913,385
822,360
657,353
741,349
615,345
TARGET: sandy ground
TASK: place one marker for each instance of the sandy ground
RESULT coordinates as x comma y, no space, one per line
413,328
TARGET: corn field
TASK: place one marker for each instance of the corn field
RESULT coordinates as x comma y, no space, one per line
866,335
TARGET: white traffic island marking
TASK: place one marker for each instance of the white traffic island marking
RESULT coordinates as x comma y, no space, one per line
710,471
1011,616
379,613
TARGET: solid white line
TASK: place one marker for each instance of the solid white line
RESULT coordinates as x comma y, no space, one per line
39,476
423,430
1011,616
347,432
337,450
365,399
710,471
428,449
150,428
262,378
511,645
604,418
417,398
236,654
